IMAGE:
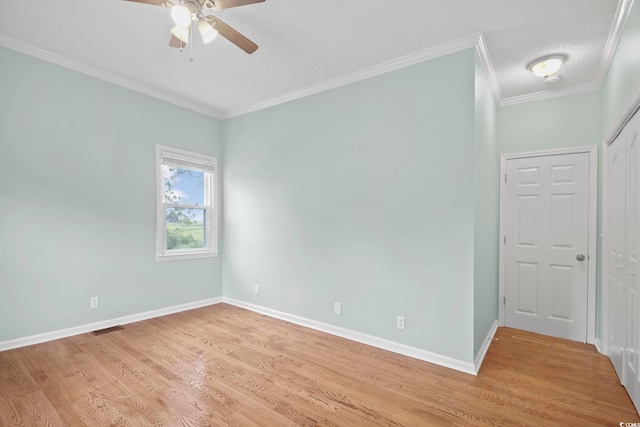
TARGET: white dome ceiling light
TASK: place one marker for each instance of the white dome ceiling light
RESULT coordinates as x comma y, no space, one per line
548,67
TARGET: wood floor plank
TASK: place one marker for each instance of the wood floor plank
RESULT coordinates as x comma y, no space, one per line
224,366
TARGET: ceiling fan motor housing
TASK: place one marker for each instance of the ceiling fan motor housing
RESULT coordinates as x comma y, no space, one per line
194,6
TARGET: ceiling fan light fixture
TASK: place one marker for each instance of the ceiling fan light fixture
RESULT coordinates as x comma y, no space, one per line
181,33
546,66
207,32
181,15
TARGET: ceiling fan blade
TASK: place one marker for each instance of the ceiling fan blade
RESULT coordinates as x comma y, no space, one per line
232,35
164,3
227,4
176,42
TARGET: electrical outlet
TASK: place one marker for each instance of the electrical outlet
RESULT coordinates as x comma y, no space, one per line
256,289
95,302
337,308
400,322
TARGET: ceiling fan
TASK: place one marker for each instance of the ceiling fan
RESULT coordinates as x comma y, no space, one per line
189,13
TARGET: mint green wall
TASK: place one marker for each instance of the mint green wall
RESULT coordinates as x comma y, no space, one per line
78,199
485,292
362,195
381,195
567,121
623,77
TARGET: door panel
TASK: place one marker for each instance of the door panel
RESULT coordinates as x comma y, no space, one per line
561,279
527,288
547,208
561,217
528,207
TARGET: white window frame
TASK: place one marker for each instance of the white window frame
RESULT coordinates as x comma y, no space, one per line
206,164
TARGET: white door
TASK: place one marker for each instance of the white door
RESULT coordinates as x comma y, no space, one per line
615,204
547,245
631,353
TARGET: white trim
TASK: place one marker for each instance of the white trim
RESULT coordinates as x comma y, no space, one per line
162,95
187,255
619,21
626,112
593,228
604,250
598,345
90,327
405,350
549,94
477,363
593,245
485,59
502,229
386,67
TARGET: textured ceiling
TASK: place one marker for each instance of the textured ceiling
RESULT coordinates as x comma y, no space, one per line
307,45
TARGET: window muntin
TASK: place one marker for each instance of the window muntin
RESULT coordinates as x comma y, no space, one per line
186,219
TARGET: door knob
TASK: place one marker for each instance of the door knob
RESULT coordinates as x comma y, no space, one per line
580,257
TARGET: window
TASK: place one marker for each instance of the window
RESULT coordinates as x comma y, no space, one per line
187,225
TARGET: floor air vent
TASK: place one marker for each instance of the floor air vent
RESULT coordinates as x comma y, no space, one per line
107,330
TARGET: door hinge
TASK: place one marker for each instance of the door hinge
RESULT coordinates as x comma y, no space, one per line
504,239
505,177
504,300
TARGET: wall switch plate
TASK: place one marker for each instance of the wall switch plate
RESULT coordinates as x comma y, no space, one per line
400,322
337,308
95,302
256,289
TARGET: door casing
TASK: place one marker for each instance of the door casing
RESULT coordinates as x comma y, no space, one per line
592,229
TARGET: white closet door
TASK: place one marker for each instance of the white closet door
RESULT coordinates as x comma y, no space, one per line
615,205
631,353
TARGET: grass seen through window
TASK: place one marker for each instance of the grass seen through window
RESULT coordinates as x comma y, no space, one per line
185,236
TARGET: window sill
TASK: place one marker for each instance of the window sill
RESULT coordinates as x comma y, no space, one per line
190,255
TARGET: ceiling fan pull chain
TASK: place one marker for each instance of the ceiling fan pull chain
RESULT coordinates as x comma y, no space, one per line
193,27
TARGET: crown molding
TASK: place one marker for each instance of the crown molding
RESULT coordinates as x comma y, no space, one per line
619,21
376,70
475,40
45,55
548,94
485,59
630,107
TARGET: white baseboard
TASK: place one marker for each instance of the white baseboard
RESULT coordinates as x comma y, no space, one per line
90,327
405,350
416,353
485,347
598,345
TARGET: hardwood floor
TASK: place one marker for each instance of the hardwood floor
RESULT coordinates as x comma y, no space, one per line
222,365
